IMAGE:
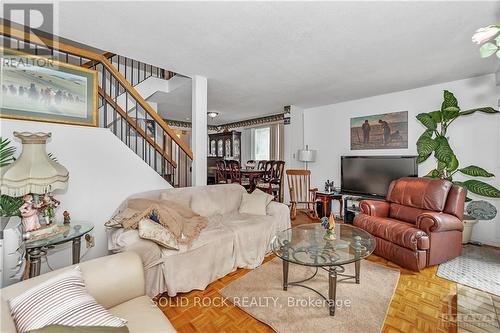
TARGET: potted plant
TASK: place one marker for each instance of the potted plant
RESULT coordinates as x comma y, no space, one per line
436,141
9,206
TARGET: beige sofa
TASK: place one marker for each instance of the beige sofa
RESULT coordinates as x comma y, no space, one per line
116,282
231,240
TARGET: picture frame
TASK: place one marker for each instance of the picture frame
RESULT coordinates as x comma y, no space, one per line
43,89
380,131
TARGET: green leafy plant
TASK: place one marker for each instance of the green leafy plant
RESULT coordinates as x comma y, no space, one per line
435,140
6,152
9,206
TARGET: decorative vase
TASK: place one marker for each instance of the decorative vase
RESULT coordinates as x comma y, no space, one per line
469,223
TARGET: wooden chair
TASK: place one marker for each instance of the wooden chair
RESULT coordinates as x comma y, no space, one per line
301,193
235,174
261,165
220,172
274,183
251,164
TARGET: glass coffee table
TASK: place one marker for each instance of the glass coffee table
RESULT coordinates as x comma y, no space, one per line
306,245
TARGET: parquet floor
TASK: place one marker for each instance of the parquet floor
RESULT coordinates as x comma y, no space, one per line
422,302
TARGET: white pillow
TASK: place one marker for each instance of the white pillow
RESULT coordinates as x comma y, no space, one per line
61,300
254,204
268,196
149,229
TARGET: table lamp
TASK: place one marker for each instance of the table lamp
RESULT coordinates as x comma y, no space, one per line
34,172
307,155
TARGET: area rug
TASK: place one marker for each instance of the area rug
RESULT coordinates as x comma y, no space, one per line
477,267
477,311
360,307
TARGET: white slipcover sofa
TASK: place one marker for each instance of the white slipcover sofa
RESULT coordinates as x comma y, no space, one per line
116,282
230,241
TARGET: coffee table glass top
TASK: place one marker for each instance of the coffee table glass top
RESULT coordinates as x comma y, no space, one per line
62,234
306,245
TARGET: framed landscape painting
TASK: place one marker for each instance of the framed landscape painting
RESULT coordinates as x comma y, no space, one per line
42,89
380,131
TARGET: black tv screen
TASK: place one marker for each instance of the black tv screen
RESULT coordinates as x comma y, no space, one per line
371,175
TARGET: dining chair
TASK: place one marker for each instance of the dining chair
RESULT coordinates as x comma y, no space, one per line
302,196
220,172
251,164
235,174
274,183
261,165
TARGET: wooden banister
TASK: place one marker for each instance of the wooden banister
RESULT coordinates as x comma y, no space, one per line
100,58
145,105
136,127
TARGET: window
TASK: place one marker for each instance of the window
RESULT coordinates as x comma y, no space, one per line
261,143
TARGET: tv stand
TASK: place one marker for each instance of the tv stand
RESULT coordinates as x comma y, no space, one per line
351,205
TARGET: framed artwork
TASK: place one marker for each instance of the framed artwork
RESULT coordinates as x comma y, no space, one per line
380,131
43,89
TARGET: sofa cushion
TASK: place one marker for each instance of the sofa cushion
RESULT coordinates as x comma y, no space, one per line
178,195
254,203
423,193
401,233
405,213
217,199
61,300
143,316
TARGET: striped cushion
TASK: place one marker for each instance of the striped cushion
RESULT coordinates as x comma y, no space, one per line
61,300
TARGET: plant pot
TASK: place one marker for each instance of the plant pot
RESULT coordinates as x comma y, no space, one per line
469,223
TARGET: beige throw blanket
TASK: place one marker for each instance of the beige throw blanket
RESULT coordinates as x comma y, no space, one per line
178,219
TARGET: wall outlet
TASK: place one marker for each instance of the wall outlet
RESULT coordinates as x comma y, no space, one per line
89,241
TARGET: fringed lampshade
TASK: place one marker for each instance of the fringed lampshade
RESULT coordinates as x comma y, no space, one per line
34,171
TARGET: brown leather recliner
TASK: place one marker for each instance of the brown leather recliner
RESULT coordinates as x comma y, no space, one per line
419,224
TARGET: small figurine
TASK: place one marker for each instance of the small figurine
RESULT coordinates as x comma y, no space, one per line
29,212
49,204
329,224
67,217
329,186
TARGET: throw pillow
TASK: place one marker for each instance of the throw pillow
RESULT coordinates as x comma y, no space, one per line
254,204
61,300
80,329
157,233
268,196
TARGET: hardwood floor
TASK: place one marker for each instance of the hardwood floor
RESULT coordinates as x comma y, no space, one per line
422,302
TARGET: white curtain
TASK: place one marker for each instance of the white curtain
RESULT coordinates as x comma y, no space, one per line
276,142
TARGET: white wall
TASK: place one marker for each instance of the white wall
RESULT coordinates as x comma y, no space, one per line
475,139
103,172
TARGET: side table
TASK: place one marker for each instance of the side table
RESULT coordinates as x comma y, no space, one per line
327,197
36,249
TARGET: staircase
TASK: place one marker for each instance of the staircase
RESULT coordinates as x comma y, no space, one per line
120,106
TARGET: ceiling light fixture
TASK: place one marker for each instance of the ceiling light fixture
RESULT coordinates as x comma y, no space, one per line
212,114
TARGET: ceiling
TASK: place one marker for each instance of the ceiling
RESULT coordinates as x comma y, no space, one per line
260,56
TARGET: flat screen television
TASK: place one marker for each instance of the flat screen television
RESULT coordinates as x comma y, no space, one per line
371,175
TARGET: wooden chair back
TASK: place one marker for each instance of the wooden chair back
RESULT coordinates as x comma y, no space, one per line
234,171
277,170
261,165
299,185
220,172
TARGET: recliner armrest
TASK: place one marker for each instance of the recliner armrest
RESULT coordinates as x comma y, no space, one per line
437,222
375,208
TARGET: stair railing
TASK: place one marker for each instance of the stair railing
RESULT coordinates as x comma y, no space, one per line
142,129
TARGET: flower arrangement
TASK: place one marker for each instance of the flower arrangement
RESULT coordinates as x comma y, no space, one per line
489,37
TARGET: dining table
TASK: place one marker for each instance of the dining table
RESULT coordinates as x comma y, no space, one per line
253,175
